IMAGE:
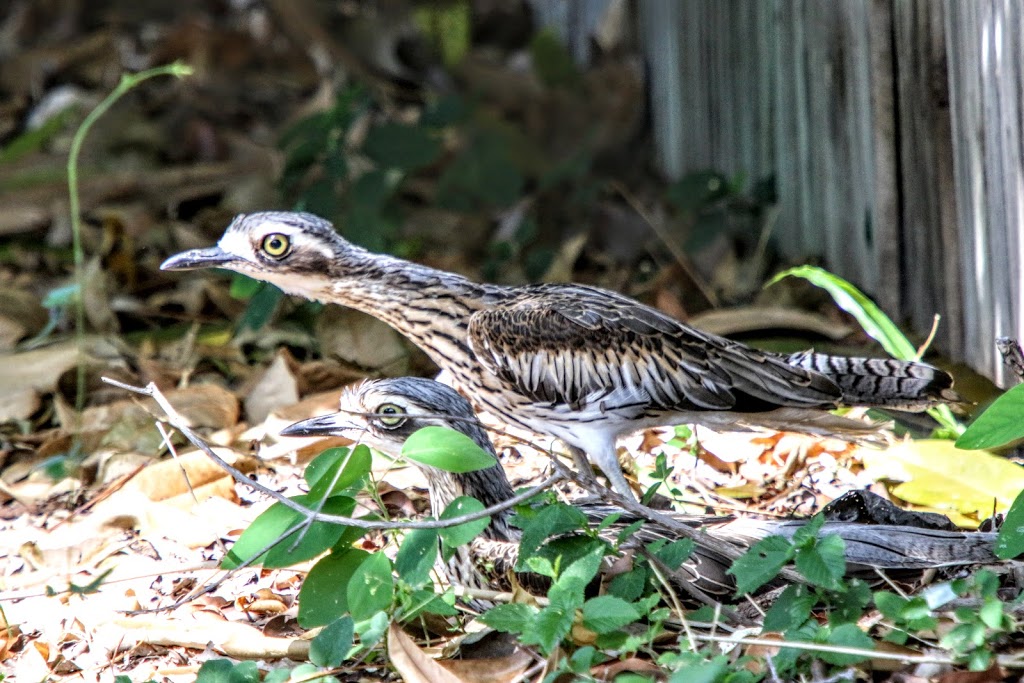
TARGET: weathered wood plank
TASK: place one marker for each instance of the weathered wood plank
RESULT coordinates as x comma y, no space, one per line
928,234
983,40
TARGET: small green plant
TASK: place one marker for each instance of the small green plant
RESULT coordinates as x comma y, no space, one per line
978,628
127,83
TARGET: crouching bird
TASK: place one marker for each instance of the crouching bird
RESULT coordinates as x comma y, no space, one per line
384,413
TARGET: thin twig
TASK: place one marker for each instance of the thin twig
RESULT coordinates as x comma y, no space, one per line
669,242
836,649
931,337
176,421
674,599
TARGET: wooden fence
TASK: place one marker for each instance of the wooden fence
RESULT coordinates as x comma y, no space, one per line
892,128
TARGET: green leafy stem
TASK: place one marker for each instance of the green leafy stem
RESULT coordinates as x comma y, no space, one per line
128,81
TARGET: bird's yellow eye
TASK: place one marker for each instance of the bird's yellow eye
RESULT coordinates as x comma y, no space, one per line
390,415
276,245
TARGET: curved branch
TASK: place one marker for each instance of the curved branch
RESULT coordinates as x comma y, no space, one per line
176,421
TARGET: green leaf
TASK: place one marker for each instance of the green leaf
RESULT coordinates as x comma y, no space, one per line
991,614
428,601
675,553
513,617
876,323
1010,541
331,646
372,189
871,318
323,597
454,536
554,519
323,476
416,556
552,623
761,563
59,297
274,521
371,588
705,672
606,613
824,564
446,449
791,609
226,671
999,425
890,604
242,287
395,145
261,307
552,62
448,25
850,601
629,531
583,570
446,110
482,176
317,538
36,138
807,535
630,586
697,190
287,674
847,635
373,629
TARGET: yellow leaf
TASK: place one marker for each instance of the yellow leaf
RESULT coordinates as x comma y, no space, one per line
934,473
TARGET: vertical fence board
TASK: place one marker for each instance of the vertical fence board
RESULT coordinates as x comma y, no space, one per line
984,46
928,233
894,131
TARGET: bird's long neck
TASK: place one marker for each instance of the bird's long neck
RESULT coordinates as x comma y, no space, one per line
490,486
430,307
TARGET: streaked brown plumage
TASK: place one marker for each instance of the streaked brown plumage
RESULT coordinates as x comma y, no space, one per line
575,362
384,413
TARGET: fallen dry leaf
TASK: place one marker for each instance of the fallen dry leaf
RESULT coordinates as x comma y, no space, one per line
28,373
361,340
233,639
492,670
413,664
993,674
276,388
608,672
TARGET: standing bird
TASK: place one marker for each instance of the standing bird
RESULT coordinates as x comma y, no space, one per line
579,363
383,413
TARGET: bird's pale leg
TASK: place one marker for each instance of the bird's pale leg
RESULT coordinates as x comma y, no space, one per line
583,469
607,461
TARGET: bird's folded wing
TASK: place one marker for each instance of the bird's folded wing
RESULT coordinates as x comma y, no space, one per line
579,345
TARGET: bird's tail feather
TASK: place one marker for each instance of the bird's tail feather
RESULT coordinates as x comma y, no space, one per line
882,382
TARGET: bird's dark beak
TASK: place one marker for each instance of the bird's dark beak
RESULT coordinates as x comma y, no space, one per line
335,424
211,257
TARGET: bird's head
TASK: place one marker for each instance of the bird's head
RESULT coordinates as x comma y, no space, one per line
383,413
298,252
